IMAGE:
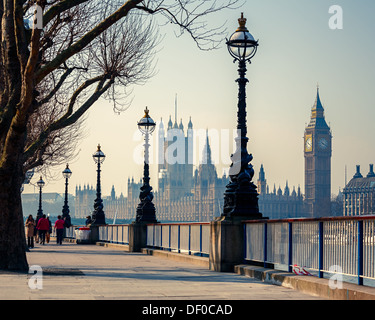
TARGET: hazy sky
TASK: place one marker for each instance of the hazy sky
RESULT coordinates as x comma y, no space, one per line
297,50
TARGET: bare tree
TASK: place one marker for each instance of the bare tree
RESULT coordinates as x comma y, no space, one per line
50,76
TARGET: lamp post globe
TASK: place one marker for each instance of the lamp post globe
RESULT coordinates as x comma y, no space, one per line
67,173
40,183
146,125
98,216
241,44
146,210
98,156
241,196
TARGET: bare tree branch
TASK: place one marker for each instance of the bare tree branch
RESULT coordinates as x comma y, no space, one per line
85,40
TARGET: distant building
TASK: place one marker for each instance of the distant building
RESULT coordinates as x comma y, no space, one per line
52,203
279,204
359,194
175,165
84,201
185,194
318,153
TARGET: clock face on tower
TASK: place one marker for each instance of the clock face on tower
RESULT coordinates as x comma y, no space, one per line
323,144
308,143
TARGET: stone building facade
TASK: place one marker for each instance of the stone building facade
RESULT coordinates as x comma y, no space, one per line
279,204
184,194
359,194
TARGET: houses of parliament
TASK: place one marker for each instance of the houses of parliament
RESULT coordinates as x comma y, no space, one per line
188,194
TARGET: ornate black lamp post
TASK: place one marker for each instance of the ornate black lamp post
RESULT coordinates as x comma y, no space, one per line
65,211
40,184
146,209
241,197
98,217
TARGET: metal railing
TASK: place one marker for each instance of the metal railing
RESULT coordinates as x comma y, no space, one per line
188,238
69,232
116,233
342,245
326,246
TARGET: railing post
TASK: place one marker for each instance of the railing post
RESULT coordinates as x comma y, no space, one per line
161,237
189,239
265,246
146,235
153,237
360,252
290,245
244,242
179,239
321,248
169,246
200,240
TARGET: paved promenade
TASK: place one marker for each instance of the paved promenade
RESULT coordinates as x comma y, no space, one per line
92,272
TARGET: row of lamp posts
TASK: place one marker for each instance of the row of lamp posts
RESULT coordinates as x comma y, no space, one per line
145,209
240,197
65,211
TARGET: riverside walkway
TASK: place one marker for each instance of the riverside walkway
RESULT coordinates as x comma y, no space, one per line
89,272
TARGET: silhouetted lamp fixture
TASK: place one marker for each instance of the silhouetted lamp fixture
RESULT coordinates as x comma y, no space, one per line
241,44
240,196
98,216
40,184
146,209
146,125
67,173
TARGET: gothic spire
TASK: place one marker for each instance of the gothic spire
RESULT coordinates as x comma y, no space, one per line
206,156
190,124
318,104
161,125
175,113
170,124
317,114
262,175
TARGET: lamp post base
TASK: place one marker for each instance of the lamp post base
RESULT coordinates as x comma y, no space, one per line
241,202
98,218
146,212
137,236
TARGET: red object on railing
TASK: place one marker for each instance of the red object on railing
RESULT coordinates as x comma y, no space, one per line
84,228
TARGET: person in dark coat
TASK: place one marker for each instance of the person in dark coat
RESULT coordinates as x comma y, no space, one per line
43,228
59,226
30,228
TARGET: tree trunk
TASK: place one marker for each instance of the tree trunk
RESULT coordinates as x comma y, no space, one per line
12,232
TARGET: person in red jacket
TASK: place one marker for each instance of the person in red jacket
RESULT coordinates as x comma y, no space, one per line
59,226
43,227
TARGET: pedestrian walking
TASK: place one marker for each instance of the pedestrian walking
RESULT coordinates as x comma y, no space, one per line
59,227
43,227
30,228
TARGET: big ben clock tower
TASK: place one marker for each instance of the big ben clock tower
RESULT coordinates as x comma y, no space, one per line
318,152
